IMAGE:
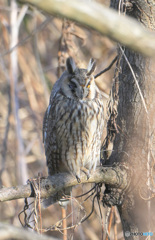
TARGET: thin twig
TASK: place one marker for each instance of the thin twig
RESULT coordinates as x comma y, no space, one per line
40,69
23,41
134,76
5,139
58,225
85,193
110,221
106,69
26,207
115,224
64,223
106,234
91,210
39,204
98,201
21,15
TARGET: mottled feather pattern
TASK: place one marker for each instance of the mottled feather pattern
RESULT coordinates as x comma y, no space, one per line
71,136
73,122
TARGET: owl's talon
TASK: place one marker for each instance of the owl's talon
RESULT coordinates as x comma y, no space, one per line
86,171
78,179
88,175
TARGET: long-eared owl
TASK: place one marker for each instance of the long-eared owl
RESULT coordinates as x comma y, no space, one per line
73,122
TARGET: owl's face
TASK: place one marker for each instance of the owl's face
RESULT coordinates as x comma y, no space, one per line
79,83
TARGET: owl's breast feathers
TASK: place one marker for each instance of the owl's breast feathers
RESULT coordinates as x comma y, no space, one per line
72,133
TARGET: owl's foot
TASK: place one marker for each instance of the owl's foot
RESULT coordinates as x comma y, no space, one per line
78,179
86,171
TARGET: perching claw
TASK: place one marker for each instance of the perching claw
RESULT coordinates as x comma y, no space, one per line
86,171
78,179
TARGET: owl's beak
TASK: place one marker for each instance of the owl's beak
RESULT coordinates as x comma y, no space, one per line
83,93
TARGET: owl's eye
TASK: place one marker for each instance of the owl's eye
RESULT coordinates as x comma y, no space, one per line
88,86
72,85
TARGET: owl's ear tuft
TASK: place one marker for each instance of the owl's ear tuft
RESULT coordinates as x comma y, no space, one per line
70,64
91,67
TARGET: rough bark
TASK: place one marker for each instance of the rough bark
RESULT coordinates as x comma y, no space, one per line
46,186
134,136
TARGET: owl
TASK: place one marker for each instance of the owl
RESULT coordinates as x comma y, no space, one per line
73,122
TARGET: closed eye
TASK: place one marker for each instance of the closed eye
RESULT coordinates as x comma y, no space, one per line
72,86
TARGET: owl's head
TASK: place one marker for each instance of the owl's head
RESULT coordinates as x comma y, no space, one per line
78,83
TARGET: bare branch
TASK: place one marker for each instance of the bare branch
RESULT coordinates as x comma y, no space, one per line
22,167
8,231
114,176
122,29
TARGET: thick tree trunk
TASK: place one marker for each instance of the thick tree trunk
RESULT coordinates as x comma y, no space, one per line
134,136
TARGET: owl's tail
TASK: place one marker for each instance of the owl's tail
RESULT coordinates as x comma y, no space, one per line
62,197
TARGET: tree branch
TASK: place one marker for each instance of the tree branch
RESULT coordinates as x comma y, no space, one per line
122,29
8,231
114,176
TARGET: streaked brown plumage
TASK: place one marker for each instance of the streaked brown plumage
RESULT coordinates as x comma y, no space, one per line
73,122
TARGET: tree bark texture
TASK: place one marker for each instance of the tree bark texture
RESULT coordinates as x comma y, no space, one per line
46,186
134,137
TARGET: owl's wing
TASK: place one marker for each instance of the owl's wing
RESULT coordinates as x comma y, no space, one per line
49,139
46,124
44,132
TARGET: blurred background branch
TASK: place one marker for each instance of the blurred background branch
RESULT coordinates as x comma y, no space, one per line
122,29
14,75
8,231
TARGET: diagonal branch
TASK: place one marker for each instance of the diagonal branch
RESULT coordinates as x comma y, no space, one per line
8,231
115,176
122,29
